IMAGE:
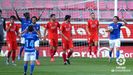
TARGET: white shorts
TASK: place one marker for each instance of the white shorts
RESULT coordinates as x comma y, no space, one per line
22,40
114,43
37,43
29,56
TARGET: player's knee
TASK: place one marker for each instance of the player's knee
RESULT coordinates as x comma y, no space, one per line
26,62
64,51
117,48
111,49
32,62
71,50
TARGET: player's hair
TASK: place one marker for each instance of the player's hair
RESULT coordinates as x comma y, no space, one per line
117,17
13,17
30,28
52,15
26,13
92,13
0,11
67,17
34,17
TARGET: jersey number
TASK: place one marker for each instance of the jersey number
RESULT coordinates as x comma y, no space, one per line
30,43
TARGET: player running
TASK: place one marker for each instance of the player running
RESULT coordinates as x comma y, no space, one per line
114,30
52,27
2,28
11,36
92,31
30,54
67,43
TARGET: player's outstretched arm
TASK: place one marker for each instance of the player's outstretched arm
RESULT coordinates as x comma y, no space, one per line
125,22
17,14
40,16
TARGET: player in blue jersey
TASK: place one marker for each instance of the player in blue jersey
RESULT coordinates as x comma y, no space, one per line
114,30
29,47
37,28
25,22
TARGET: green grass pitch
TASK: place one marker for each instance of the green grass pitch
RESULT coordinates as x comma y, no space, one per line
79,66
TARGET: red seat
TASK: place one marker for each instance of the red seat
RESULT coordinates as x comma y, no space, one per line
122,4
110,4
102,5
106,14
130,4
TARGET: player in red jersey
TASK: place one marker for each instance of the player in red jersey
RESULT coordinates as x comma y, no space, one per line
11,36
92,31
52,26
65,31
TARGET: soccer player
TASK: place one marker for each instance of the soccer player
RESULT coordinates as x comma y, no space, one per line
114,30
25,22
11,36
65,31
37,28
52,26
2,27
92,31
30,54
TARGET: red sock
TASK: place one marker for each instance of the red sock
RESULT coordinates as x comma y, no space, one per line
90,49
69,54
95,50
9,54
13,55
54,53
64,57
51,53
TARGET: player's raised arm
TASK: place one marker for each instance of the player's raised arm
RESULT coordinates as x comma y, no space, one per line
125,22
40,16
17,14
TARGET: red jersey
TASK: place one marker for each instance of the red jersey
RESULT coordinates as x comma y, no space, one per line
93,26
52,29
12,33
66,30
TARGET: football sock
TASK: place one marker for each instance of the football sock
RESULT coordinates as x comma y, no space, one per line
117,54
69,54
64,57
25,68
37,54
32,68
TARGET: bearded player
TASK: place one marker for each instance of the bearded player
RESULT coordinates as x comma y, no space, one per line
92,31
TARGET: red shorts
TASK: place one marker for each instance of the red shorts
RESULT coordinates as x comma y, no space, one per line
92,38
12,45
53,42
67,44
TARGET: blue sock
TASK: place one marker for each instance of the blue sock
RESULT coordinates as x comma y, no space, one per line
25,67
32,68
110,54
21,50
117,54
37,54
